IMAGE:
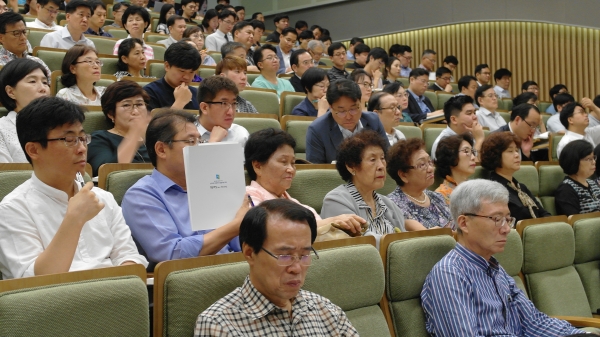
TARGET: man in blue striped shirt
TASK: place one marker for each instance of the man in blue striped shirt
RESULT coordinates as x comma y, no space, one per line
468,293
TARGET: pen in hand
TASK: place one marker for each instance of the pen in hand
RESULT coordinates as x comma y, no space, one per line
250,200
79,179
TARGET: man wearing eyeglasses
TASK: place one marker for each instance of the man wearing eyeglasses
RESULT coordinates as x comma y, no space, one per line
78,15
156,207
276,238
337,54
443,77
468,293
118,10
58,223
222,35
524,120
419,106
217,96
46,18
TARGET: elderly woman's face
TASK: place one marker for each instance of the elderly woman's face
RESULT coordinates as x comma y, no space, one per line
422,173
370,175
131,113
466,159
511,158
277,173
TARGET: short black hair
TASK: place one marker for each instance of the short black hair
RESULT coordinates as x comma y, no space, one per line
56,2
465,81
239,26
352,149
572,154
74,4
418,72
454,106
451,59
378,54
171,20
96,3
124,49
526,85
209,15
562,99
375,100
335,46
9,18
42,115
311,77
428,52
230,47
258,56
261,145
395,49
133,10
301,24
116,6
288,30
556,89
480,67
295,54
362,48
522,111
255,15
524,97
183,55
325,37
258,24
13,72
567,112
306,34
278,17
163,13
227,13
211,86
481,90
597,102
253,230
501,73
392,88
447,155
218,7
343,88
239,8
597,154
441,71
354,40
163,127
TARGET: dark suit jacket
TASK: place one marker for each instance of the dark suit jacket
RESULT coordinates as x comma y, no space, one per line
415,111
324,136
537,155
435,87
295,81
281,62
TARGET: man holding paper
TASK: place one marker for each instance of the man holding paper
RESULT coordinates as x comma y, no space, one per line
156,207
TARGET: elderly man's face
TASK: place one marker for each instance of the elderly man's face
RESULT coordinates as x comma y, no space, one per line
480,234
278,283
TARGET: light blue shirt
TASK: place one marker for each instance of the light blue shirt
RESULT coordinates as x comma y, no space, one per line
156,210
350,55
282,85
419,99
551,109
405,71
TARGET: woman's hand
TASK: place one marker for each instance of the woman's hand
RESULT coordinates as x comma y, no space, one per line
349,222
322,106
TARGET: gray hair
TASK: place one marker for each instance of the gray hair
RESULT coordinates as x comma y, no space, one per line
469,196
312,44
229,47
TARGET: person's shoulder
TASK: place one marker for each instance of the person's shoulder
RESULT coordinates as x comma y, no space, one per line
17,198
232,301
321,121
319,301
238,129
340,191
436,197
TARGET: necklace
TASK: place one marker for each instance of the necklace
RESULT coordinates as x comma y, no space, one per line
416,200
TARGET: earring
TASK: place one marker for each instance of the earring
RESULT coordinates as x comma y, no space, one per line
353,173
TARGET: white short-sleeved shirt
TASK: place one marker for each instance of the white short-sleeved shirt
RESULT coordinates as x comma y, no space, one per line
40,25
10,148
62,39
236,133
73,94
492,120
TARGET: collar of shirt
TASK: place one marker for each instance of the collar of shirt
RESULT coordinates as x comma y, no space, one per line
12,116
66,35
499,88
418,98
381,207
50,191
6,53
487,112
93,32
574,135
37,21
203,131
403,67
256,305
347,133
477,260
164,182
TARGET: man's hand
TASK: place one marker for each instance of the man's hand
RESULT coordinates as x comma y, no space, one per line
448,88
527,145
84,205
217,134
182,94
477,131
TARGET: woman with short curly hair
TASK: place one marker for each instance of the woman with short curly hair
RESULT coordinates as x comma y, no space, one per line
500,154
454,162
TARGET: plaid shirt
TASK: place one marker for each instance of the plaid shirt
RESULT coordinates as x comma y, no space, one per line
247,312
6,56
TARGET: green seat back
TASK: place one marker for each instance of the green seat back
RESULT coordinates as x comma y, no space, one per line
309,187
256,124
35,37
327,61
94,121
103,45
480,173
206,71
545,118
119,33
555,140
543,106
264,102
9,180
405,81
118,182
290,101
429,136
153,24
60,16
553,284
156,38
157,70
455,88
52,58
110,65
216,56
3,111
159,51
528,175
587,258
511,259
505,116
298,129
408,263
507,104
337,265
433,98
115,306
443,97
410,131
550,177
251,77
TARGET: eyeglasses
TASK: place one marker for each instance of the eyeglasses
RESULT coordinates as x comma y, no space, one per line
322,86
492,96
92,63
590,160
228,22
225,105
272,58
423,166
407,57
71,141
288,260
499,221
404,94
468,151
197,36
422,80
532,127
395,107
19,32
342,114
430,60
192,141
128,107
367,85
52,11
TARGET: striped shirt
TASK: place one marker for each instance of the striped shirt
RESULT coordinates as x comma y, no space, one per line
465,295
247,312
378,224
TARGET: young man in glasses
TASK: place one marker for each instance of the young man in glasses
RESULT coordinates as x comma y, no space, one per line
46,18
78,16
222,35
61,224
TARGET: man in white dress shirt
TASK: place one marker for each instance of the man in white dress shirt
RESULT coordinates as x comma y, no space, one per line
176,26
46,19
78,15
217,97
52,223
502,77
575,119
223,34
488,103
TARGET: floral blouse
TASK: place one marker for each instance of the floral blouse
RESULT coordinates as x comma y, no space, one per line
446,188
437,214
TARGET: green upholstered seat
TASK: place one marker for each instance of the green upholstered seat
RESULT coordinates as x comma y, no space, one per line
255,124
298,129
9,180
104,45
52,58
528,175
156,38
159,51
206,71
587,258
327,61
550,177
289,101
505,116
110,65
410,131
116,306
157,70
251,77
433,98
216,55
511,259
309,187
3,111
405,81
266,102
35,37
506,103
408,263
443,97
429,136
118,182
543,106
553,283
554,140
119,33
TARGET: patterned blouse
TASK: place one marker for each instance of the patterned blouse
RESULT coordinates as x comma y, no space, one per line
446,188
571,197
437,214
120,74
378,224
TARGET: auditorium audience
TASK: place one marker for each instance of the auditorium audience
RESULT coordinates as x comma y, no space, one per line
500,155
594,107
124,105
259,28
304,38
176,26
222,35
389,112
96,21
404,54
455,162
326,39
317,31
316,49
337,54
132,61
173,90
419,106
376,61
355,41
401,96
483,74
156,206
217,96
443,77
577,193
343,120
135,21
361,55
53,217
467,85
361,163
412,170
270,162
166,12
575,119
530,98
555,90
81,69
558,102
47,10
524,120
282,21
365,83
234,68
502,77
450,62
78,13
468,292
195,35
267,61
488,104
530,86
210,22
428,60
300,62
315,83
188,10
287,41
24,80
243,33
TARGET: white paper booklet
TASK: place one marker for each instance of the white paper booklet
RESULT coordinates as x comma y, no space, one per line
215,181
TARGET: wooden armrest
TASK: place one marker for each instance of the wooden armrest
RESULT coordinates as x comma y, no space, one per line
585,322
